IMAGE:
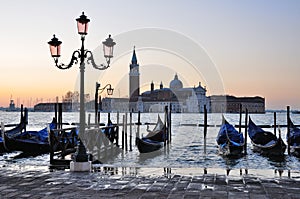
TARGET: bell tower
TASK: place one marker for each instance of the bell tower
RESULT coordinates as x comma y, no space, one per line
134,82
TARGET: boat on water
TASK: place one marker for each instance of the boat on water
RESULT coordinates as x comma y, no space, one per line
34,142
264,142
294,139
16,128
154,140
230,141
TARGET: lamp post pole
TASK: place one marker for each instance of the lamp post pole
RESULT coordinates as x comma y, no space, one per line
96,102
82,54
82,100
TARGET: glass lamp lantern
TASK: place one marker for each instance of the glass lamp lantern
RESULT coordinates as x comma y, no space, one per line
82,24
55,46
108,47
110,90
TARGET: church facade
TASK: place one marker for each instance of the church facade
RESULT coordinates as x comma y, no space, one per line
180,99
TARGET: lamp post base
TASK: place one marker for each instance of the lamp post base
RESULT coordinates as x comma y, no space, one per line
80,166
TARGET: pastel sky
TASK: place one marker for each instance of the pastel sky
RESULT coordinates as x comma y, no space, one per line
253,46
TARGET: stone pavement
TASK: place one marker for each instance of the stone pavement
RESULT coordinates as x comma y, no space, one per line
134,183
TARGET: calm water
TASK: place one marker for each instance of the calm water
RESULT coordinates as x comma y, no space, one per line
186,149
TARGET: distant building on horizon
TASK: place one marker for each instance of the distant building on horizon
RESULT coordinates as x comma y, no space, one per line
231,104
50,107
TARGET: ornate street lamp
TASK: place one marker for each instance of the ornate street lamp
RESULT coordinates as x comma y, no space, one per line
109,91
108,88
55,48
81,55
82,24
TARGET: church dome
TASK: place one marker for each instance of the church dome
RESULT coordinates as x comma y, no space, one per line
176,83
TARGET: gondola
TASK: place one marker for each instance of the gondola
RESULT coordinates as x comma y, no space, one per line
17,128
154,140
294,139
33,142
230,141
264,142
145,145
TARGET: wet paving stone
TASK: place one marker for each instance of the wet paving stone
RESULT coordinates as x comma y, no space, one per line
65,184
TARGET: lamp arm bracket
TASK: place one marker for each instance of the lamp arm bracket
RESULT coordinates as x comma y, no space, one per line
90,60
74,60
102,89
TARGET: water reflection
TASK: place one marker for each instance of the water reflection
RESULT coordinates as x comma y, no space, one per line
25,155
240,171
109,170
143,157
231,162
169,172
278,162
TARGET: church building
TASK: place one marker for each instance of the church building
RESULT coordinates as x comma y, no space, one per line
182,100
179,98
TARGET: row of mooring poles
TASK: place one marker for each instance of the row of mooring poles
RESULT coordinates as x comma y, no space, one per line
124,132
246,128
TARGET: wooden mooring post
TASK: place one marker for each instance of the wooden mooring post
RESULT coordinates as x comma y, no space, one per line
118,124
288,129
246,131
165,123
139,118
205,128
138,125
89,120
55,111
130,131
98,118
125,125
123,133
275,123
240,121
60,115
170,123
